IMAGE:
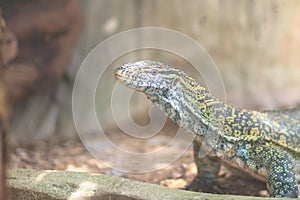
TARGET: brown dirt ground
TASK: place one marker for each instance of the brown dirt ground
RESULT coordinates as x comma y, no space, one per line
71,155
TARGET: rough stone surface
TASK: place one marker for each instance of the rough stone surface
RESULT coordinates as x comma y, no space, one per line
32,184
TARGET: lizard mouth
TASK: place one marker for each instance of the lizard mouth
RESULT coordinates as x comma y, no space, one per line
121,78
118,75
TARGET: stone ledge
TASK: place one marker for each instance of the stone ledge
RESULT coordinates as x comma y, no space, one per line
28,184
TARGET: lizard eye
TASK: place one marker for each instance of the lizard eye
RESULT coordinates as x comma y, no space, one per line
154,72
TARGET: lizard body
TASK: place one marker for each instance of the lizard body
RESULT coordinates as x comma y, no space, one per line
262,144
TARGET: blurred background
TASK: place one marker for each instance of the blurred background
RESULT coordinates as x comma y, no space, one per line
255,45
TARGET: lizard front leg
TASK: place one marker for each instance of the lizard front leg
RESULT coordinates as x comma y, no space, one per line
281,178
274,164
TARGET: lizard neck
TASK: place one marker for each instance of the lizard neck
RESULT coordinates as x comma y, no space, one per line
191,106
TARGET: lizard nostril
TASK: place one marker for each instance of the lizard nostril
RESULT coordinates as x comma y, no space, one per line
175,82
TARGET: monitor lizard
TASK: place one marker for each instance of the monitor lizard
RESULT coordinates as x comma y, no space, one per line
264,144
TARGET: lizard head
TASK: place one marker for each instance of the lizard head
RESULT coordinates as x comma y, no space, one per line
147,76
159,82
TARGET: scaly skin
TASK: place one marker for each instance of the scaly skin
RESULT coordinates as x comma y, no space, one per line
263,144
